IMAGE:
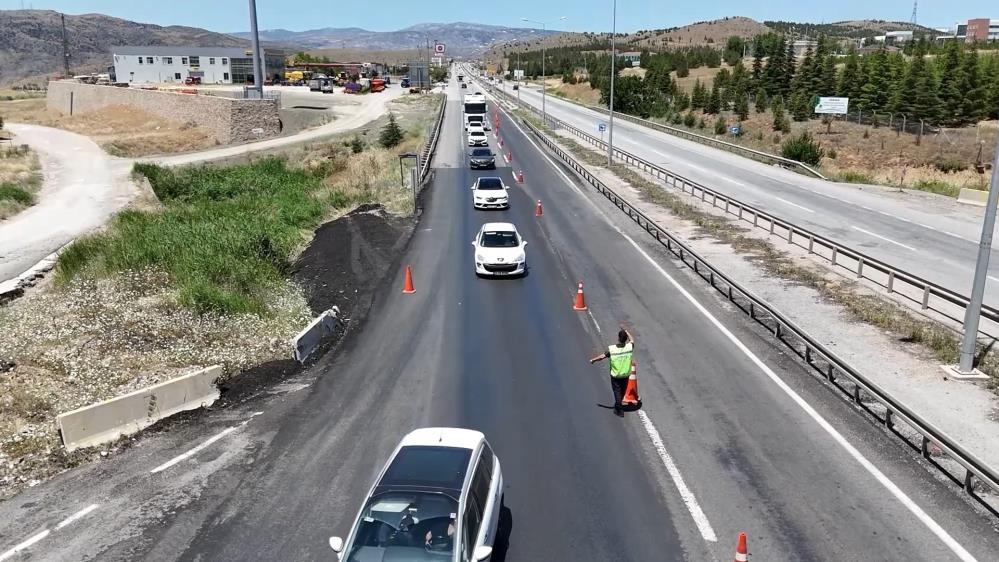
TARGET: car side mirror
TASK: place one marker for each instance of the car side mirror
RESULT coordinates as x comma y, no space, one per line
336,543
525,242
482,552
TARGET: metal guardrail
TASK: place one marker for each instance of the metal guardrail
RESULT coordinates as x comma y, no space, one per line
928,295
430,146
758,155
864,393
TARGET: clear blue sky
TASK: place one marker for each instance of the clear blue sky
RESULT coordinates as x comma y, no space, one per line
584,15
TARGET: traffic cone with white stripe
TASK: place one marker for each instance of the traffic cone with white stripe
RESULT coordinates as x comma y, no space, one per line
741,555
580,303
631,391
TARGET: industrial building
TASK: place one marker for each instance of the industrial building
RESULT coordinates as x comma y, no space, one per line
212,65
977,30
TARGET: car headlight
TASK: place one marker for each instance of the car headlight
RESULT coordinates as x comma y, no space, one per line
521,258
480,258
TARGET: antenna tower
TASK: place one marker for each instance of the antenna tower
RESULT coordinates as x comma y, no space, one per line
915,10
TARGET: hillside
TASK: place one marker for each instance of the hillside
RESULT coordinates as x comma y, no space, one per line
855,29
462,39
696,34
31,41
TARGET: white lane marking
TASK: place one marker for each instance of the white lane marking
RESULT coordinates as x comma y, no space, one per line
927,226
202,446
25,545
594,320
786,202
992,278
869,233
701,520
959,236
897,492
76,516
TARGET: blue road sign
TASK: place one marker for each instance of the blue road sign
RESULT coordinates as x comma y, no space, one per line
601,127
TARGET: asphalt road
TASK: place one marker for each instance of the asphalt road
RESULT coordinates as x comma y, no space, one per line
807,480
898,228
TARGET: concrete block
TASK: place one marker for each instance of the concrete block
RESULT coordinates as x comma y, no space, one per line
130,413
309,339
975,197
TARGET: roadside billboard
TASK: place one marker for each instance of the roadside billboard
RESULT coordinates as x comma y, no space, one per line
832,106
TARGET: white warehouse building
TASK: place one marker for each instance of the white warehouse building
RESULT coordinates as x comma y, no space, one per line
213,65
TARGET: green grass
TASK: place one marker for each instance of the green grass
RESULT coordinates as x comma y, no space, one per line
11,192
850,176
937,186
225,235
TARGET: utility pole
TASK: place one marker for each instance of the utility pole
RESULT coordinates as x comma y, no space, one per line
973,314
613,71
258,64
65,48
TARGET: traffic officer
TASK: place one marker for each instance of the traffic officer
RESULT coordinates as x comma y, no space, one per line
620,356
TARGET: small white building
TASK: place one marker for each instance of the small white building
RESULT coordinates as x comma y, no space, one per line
213,65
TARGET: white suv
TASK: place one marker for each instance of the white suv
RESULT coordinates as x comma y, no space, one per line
499,250
438,498
490,193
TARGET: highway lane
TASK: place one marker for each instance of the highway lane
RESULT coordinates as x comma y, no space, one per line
509,357
894,228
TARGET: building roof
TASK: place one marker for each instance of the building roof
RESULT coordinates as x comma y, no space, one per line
181,51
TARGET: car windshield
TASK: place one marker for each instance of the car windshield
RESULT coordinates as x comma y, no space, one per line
409,526
477,134
499,239
489,183
482,152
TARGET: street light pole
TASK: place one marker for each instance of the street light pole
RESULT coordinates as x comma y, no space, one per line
544,88
613,71
258,65
973,314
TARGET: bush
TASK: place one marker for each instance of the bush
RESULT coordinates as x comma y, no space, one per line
356,145
689,119
720,126
850,176
937,186
701,124
803,148
831,153
676,118
11,192
948,165
391,135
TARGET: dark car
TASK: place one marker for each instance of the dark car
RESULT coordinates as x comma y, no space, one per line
463,85
481,159
516,87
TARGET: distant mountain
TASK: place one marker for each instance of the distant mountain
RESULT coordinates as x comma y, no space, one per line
462,39
31,41
854,29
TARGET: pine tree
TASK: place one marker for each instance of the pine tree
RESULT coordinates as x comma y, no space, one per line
992,86
742,106
779,117
827,84
975,93
714,102
800,106
681,101
875,91
391,135
758,54
849,80
761,100
951,83
720,126
774,72
698,98
789,70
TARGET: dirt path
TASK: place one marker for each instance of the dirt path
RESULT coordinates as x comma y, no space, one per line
82,188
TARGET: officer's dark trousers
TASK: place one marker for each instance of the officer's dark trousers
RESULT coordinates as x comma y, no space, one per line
618,386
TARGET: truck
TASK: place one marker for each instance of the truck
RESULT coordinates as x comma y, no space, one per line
461,77
377,85
474,108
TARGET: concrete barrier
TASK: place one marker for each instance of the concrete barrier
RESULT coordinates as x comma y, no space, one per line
975,197
130,413
309,339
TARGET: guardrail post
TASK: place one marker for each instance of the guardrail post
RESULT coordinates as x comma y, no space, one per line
695,268
969,483
711,279
777,330
714,199
790,235
860,267
704,194
926,297
771,225
834,252
756,217
924,448
808,355
811,243
856,393
830,373
891,281
740,212
752,310
888,422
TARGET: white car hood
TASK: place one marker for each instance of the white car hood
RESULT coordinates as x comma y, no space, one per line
500,255
495,193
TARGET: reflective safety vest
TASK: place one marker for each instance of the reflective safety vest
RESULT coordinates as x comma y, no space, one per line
620,360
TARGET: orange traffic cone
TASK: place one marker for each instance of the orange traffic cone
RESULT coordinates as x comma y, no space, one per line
407,285
538,211
580,303
631,392
741,555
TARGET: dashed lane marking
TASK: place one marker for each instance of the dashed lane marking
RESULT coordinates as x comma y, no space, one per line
889,240
37,537
201,447
786,202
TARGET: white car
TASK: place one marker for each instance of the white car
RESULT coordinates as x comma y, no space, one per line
437,499
499,250
490,193
477,138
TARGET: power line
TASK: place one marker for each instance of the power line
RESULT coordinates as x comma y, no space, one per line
915,10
